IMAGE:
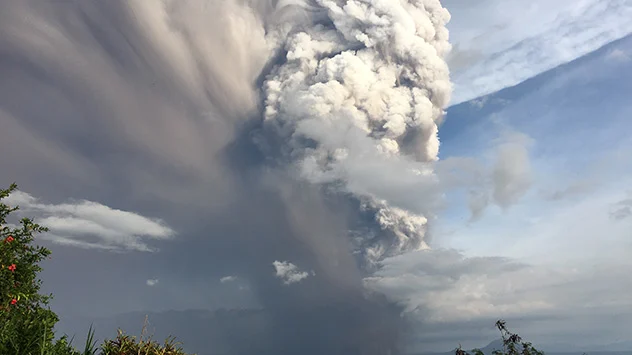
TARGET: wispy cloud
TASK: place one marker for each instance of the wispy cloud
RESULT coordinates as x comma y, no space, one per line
226,279
91,225
619,55
570,190
622,209
509,56
502,180
152,282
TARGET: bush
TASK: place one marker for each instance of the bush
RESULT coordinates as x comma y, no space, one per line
124,344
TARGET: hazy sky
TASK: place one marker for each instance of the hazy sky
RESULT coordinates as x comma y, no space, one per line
134,132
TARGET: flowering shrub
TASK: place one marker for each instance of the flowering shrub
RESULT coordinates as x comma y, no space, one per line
26,323
19,260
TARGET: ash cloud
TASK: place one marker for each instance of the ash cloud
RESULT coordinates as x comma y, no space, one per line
356,102
277,131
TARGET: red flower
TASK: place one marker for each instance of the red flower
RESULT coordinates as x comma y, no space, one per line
11,267
14,301
9,239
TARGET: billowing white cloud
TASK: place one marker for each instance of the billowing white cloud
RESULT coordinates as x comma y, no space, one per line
91,225
357,105
151,282
289,272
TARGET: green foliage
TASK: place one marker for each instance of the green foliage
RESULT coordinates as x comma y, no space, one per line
512,344
90,347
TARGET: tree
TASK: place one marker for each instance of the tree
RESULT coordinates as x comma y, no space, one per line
512,344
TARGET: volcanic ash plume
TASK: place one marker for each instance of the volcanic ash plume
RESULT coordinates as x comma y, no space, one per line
358,96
